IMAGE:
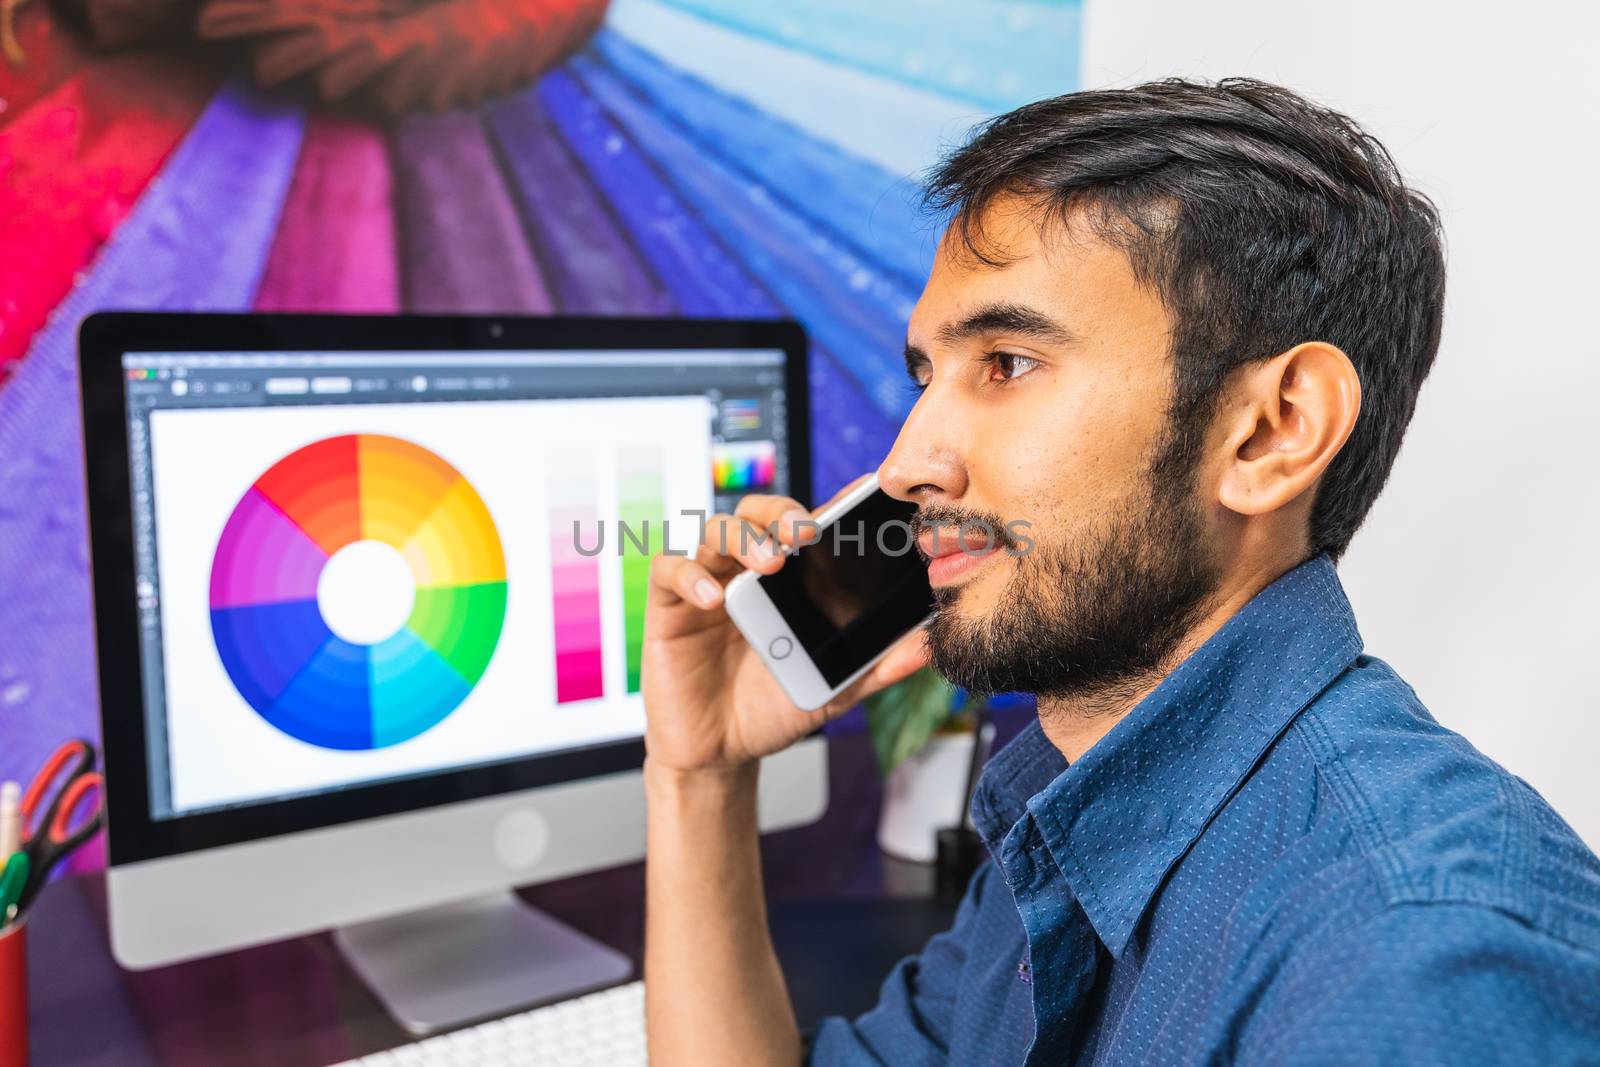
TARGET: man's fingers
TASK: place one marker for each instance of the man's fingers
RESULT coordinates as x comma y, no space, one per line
765,509
781,515
715,562
695,584
678,578
754,536
746,541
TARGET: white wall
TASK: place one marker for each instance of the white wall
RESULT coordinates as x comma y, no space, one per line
1476,575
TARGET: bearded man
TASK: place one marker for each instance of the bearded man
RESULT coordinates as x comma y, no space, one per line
1179,330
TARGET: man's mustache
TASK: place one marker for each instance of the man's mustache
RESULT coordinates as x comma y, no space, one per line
947,521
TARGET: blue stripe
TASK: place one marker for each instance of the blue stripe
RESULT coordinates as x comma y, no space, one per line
863,204
849,435
899,127
996,55
850,305
197,240
698,271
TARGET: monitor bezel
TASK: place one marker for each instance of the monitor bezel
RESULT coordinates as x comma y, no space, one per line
105,337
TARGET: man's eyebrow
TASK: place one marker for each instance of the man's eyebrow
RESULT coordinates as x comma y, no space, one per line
1005,318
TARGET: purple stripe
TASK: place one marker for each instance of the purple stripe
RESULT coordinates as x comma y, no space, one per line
592,265
196,240
462,248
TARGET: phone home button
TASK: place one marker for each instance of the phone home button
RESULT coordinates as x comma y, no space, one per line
780,647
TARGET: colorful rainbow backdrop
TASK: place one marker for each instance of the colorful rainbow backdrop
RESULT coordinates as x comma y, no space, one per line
698,157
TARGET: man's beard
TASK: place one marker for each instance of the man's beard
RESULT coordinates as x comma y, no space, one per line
1093,616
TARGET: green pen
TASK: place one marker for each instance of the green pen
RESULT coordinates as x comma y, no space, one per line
12,881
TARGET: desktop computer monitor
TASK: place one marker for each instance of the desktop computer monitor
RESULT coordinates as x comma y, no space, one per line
370,594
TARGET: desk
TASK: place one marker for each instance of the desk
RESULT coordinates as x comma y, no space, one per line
841,914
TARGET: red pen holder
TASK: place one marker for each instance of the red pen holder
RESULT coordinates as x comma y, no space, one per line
14,995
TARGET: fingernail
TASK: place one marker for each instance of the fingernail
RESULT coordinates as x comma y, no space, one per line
706,591
798,522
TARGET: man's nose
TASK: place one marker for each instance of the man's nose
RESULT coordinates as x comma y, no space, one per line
927,461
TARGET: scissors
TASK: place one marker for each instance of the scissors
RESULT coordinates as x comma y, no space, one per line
48,835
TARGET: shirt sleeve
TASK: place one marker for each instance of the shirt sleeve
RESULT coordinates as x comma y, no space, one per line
1425,984
911,1022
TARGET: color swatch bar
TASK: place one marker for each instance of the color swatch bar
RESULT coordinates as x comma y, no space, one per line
744,465
740,415
575,588
641,510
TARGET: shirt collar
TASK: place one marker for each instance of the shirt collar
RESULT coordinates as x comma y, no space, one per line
1118,819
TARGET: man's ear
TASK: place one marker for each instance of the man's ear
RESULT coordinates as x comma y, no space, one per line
1287,418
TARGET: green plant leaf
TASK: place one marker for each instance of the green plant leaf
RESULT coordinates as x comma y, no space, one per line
904,716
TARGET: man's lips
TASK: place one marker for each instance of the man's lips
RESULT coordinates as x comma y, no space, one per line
953,554
941,541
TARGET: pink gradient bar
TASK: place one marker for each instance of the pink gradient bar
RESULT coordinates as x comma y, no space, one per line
575,589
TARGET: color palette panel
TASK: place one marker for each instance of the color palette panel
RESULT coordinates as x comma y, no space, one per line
742,465
575,589
270,628
740,415
641,510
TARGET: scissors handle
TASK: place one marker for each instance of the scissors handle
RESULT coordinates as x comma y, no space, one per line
60,835
56,841
48,835
76,754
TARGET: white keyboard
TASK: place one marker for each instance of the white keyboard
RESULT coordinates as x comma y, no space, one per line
604,1028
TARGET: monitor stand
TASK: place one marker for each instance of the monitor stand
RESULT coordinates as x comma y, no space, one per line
460,963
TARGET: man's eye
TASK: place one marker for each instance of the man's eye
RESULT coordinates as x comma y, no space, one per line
1009,365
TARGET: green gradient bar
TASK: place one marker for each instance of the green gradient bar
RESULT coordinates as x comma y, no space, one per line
641,511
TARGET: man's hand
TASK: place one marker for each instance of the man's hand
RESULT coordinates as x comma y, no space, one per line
711,703
714,993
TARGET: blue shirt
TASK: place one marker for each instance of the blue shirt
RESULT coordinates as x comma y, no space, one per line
1277,857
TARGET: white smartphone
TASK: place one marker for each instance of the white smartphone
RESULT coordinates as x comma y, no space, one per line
840,600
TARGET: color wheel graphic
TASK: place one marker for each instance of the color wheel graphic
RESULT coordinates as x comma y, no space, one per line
272,630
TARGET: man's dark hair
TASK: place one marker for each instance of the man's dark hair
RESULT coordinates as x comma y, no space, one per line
1261,219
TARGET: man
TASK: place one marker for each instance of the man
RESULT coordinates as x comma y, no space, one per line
1180,329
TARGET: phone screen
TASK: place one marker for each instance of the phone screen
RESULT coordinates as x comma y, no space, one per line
849,594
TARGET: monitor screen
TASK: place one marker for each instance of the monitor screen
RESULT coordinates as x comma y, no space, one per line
358,567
